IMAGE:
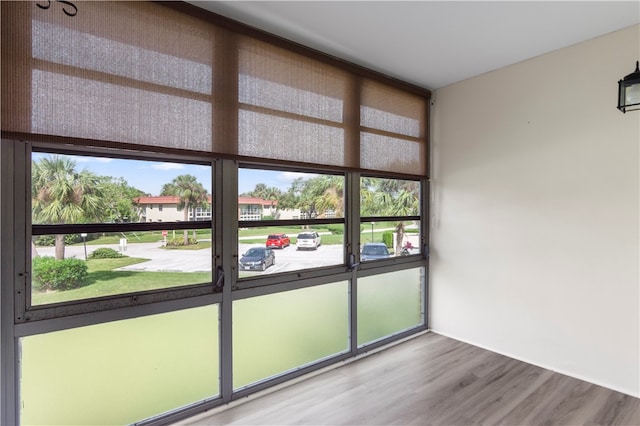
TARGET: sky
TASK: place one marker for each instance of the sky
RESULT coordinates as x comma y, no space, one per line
149,176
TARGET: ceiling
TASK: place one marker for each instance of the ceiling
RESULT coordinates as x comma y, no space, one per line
433,43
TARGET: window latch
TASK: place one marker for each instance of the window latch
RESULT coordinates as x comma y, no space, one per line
352,262
220,281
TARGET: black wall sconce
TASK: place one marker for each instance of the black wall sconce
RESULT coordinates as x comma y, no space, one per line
629,91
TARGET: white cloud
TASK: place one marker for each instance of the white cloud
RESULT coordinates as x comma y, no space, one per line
167,166
77,158
92,159
288,177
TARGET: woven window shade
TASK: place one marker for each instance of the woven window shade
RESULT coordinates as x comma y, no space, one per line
291,106
392,154
119,72
394,139
138,74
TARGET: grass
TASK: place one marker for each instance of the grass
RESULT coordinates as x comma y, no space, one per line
138,237
144,237
259,233
94,265
103,280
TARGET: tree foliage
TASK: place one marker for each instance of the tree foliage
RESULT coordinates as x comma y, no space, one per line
316,196
389,197
191,195
61,194
119,199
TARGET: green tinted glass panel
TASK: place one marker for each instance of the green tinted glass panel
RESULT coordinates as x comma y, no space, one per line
279,332
389,303
120,372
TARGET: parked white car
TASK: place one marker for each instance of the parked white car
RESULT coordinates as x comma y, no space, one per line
308,240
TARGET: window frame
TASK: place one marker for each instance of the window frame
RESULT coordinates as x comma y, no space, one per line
26,312
224,175
421,217
298,274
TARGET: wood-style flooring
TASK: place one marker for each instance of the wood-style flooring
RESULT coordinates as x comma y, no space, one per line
434,380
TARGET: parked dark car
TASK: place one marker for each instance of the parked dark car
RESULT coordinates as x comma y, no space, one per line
257,259
278,241
374,251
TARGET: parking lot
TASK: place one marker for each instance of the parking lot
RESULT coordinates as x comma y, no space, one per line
290,259
161,259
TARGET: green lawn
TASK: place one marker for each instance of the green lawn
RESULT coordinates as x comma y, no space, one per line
104,281
145,237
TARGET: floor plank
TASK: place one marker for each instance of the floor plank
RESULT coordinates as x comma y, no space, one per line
434,380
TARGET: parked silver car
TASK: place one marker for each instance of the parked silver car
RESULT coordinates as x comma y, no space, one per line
308,240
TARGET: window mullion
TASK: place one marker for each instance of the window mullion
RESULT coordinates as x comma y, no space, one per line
9,211
22,223
226,225
352,234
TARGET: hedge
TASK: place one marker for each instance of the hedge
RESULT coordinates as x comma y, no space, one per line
52,274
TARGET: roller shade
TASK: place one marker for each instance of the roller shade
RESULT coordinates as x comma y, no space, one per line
139,74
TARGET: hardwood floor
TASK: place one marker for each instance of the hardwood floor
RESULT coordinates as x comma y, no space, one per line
434,380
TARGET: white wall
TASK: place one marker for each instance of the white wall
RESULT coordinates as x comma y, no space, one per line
535,213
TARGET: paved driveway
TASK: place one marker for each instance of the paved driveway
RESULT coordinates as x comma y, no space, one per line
161,259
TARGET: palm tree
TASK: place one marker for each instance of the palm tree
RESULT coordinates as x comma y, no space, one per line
191,193
390,197
406,203
267,193
332,197
62,195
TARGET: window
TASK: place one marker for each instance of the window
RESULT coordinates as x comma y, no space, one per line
89,237
201,213
390,218
289,203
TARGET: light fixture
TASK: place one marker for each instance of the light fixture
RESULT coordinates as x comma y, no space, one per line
629,91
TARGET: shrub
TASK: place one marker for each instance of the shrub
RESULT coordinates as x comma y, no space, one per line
72,239
52,274
179,241
387,238
44,240
105,253
336,229
50,240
